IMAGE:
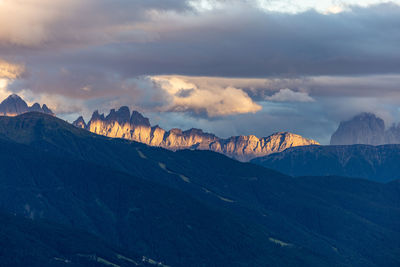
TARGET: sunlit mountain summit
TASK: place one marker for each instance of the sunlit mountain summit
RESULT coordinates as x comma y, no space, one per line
123,124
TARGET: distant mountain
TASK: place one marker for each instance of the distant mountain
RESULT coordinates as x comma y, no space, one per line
365,128
80,123
192,208
14,105
135,127
377,163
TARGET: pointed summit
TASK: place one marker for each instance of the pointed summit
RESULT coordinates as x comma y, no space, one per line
122,115
139,120
364,128
13,105
80,123
46,110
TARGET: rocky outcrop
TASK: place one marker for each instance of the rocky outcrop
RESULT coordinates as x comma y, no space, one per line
122,124
365,128
15,105
80,123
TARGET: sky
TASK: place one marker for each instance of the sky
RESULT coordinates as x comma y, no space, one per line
234,67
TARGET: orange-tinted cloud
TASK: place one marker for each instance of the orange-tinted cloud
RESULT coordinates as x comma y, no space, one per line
203,97
9,70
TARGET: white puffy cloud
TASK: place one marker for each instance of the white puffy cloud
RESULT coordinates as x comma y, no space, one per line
211,99
287,95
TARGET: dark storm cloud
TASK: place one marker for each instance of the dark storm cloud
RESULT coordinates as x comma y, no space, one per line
252,43
168,37
153,38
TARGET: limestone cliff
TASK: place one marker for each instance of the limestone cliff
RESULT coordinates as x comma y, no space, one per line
122,124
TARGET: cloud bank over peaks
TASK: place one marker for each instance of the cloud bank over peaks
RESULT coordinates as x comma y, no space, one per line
213,100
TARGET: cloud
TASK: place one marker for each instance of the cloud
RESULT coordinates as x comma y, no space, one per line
211,101
221,64
9,70
287,95
71,23
8,73
235,39
243,41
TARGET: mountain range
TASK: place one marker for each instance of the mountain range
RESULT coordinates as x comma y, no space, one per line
296,156
14,105
136,127
186,208
376,163
361,147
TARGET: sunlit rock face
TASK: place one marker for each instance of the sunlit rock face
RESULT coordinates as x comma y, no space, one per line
15,105
122,124
245,148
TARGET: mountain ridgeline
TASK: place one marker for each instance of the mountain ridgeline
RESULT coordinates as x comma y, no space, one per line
15,105
376,163
135,127
186,208
361,147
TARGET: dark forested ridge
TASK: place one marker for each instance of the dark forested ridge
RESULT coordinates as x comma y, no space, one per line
376,163
192,208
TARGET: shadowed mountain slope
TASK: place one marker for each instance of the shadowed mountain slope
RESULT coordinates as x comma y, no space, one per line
377,163
177,207
38,243
138,215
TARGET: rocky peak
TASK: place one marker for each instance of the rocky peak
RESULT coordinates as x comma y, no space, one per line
14,105
45,109
80,123
138,119
36,107
96,116
121,116
365,128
